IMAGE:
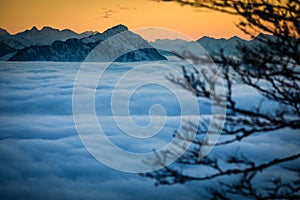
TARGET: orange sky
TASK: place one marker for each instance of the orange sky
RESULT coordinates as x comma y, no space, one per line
98,15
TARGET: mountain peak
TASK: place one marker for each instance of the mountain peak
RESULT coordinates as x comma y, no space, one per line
116,29
113,31
34,28
120,27
235,38
205,38
47,28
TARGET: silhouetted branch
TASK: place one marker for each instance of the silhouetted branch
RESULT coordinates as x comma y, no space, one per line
271,67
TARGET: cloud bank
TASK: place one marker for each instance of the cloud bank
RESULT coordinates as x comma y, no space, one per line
42,157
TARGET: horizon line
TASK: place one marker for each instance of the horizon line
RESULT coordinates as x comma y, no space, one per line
40,28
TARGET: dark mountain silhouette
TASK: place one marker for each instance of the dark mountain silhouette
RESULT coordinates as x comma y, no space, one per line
5,49
228,46
45,36
76,50
49,44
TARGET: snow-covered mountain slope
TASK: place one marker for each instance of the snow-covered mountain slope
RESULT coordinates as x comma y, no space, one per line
177,47
106,34
124,47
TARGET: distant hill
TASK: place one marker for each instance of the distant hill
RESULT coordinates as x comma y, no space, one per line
228,46
210,46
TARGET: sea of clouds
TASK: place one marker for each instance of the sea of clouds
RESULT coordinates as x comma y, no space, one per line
42,157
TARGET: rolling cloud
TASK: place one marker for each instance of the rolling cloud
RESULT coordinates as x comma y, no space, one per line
42,157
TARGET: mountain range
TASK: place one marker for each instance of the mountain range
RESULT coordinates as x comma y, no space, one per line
45,36
49,44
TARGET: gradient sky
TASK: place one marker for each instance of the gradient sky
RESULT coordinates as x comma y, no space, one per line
98,15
